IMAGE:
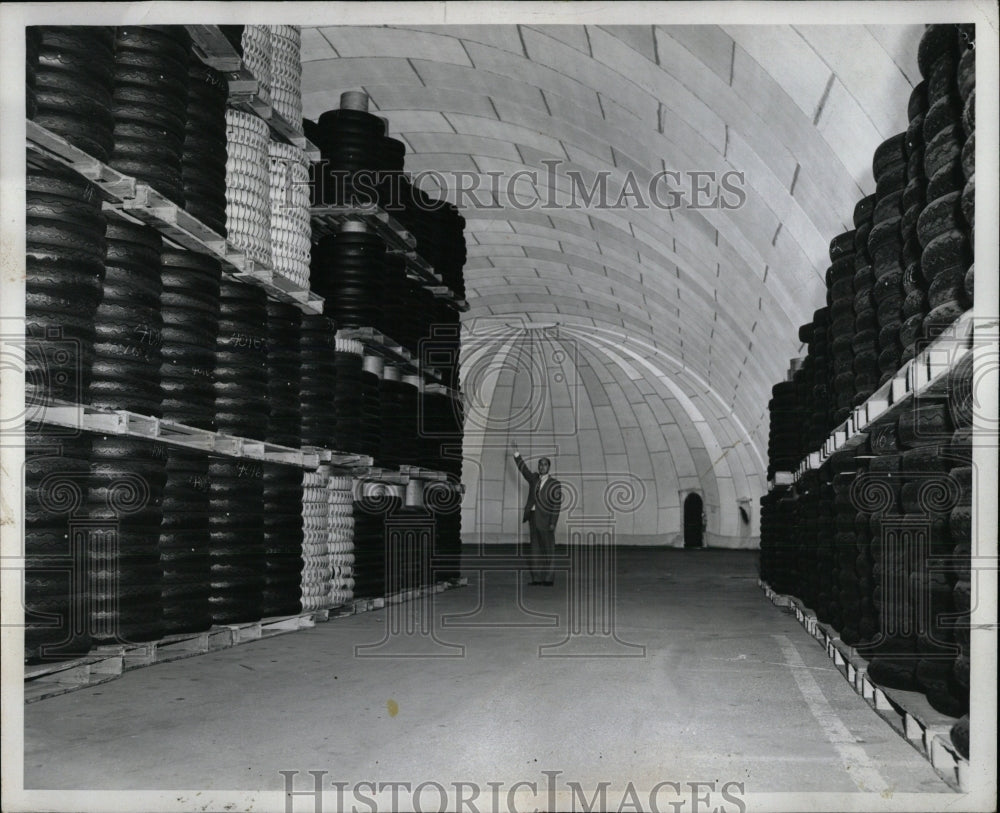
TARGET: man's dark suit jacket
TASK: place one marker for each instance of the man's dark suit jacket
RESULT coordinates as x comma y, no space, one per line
546,501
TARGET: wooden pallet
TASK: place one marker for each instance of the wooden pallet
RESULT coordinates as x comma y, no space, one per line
45,148
908,713
924,377
81,417
106,663
150,207
387,348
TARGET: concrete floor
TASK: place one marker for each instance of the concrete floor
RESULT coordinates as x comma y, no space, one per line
727,689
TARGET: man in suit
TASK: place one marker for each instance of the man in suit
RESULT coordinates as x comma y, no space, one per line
541,512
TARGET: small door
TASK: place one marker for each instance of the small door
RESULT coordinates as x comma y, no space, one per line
693,517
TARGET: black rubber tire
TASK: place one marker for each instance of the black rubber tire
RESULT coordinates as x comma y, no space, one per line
950,178
890,152
948,250
937,41
863,210
940,216
946,111
948,285
915,303
943,150
969,114
969,157
970,285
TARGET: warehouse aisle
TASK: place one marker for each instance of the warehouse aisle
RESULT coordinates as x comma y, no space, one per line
728,688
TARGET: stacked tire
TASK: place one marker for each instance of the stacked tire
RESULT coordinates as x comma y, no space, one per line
967,93
32,45
203,160
318,345
314,582
64,263
441,430
185,541
236,547
248,200
348,271
340,518
189,309
350,141
370,389
291,229
128,322
777,556
257,56
783,448
346,404
73,82
284,383
823,396
283,539
286,74
373,503
886,247
149,105
125,511
942,230
915,306
241,382
56,582
960,529
840,303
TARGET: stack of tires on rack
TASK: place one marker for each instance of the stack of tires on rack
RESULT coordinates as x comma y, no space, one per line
877,540
128,538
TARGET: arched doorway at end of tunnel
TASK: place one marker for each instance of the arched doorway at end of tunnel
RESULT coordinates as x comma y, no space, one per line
694,521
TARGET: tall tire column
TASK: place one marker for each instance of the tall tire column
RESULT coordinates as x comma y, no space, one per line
185,540
291,228
203,159
189,308
885,244
56,583
128,322
348,271
73,83
241,361
283,538
346,404
928,496
340,516
840,302
943,233
892,651
314,582
248,201
960,528
64,263
150,104
125,510
967,92
236,524
318,347
284,378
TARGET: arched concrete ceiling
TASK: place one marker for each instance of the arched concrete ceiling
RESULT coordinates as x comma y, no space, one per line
716,295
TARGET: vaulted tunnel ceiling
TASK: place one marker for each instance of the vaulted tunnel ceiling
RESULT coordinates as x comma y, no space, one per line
712,297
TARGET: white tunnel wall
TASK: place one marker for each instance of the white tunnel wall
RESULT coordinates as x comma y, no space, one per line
627,441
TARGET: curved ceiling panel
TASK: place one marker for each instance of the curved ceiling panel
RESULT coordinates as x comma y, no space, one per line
712,295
